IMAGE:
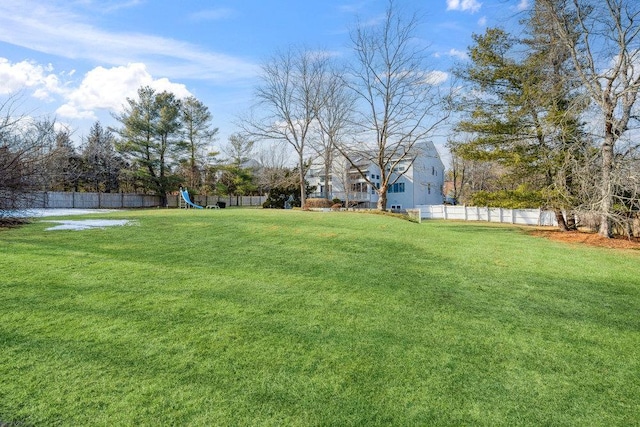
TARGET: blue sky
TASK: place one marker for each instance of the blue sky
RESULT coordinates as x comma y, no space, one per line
78,60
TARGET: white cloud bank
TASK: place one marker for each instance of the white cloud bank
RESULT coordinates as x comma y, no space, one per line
27,75
53,28
108,89
100,89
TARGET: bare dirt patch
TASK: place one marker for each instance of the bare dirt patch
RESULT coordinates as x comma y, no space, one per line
587,238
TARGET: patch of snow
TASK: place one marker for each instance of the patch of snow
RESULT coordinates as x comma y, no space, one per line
87,224
37,213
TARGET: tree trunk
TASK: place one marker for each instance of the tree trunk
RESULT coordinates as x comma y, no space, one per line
606,191
327,172
562,225
571,221
382,199
303,194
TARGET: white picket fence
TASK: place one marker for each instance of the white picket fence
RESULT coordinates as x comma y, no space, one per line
475,213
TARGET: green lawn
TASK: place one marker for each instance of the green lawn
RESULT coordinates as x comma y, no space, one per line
256,317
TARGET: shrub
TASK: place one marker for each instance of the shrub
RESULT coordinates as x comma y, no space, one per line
279,197
520,198
318,203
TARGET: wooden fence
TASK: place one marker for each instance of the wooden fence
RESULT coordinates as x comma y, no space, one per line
81,200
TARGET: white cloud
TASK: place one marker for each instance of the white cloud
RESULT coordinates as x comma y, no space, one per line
523,5
28,75
435,78
49,28
108,88
100,89
352,8
212,14
482,22
464,5
108,6
71,112
458,54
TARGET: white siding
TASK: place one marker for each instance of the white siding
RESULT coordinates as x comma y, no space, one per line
422,182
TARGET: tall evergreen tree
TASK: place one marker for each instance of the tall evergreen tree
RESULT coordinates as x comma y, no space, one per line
64,164
102,164
198,135
150,138
520,112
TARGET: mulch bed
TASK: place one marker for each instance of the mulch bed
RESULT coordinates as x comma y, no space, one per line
587,238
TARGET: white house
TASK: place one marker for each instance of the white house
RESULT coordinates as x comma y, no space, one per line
420,184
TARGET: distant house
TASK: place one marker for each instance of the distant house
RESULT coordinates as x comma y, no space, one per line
421,183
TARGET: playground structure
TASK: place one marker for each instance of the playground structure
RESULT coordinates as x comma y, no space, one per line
187,200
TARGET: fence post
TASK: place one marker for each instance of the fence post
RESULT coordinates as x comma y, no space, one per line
444,211
466,216
539,216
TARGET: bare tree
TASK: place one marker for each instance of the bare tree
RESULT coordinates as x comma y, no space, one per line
272,167
400,95
25,144
239,149
603,37
334,118
457,173
287,100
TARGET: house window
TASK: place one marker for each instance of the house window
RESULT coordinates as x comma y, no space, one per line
359,187
433,170
396,207
428,188
398,187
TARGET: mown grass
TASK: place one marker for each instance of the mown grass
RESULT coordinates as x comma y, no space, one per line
257,317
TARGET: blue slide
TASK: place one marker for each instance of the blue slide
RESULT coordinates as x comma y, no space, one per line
185,197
